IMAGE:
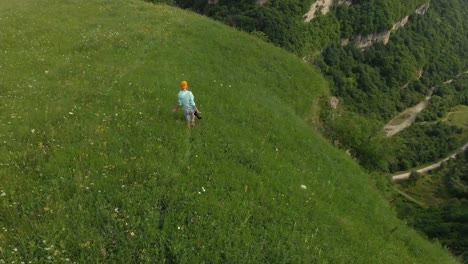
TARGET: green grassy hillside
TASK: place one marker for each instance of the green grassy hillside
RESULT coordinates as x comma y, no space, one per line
94,168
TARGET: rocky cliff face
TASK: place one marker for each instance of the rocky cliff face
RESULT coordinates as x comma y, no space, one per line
258,2
422,9
365,41
324,7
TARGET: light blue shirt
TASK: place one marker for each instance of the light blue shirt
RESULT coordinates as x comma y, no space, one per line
186,100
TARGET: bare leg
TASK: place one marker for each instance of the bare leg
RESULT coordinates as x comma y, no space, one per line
193,120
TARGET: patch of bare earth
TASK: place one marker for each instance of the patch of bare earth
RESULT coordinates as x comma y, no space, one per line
405,119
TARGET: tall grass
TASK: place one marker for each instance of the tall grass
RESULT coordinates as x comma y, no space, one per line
95,168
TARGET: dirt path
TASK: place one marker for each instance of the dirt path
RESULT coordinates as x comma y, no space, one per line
409,116
411,199
405,176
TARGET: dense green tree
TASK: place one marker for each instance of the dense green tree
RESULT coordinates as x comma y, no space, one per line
362,137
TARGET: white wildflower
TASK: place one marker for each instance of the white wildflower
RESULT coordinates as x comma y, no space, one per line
303,186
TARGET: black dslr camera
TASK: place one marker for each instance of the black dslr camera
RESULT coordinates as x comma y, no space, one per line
197,114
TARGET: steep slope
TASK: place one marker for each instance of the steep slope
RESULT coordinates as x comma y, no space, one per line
95,168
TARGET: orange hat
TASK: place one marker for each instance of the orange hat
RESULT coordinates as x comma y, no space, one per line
184,84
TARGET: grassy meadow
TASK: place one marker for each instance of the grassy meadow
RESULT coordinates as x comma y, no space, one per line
95,168
458,116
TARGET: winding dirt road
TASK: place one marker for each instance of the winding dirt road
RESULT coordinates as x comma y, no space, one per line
405,176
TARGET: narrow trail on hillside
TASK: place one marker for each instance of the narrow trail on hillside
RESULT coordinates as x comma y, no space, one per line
185,161
405,176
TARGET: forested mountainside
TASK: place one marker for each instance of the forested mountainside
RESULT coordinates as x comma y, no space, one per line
282,22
